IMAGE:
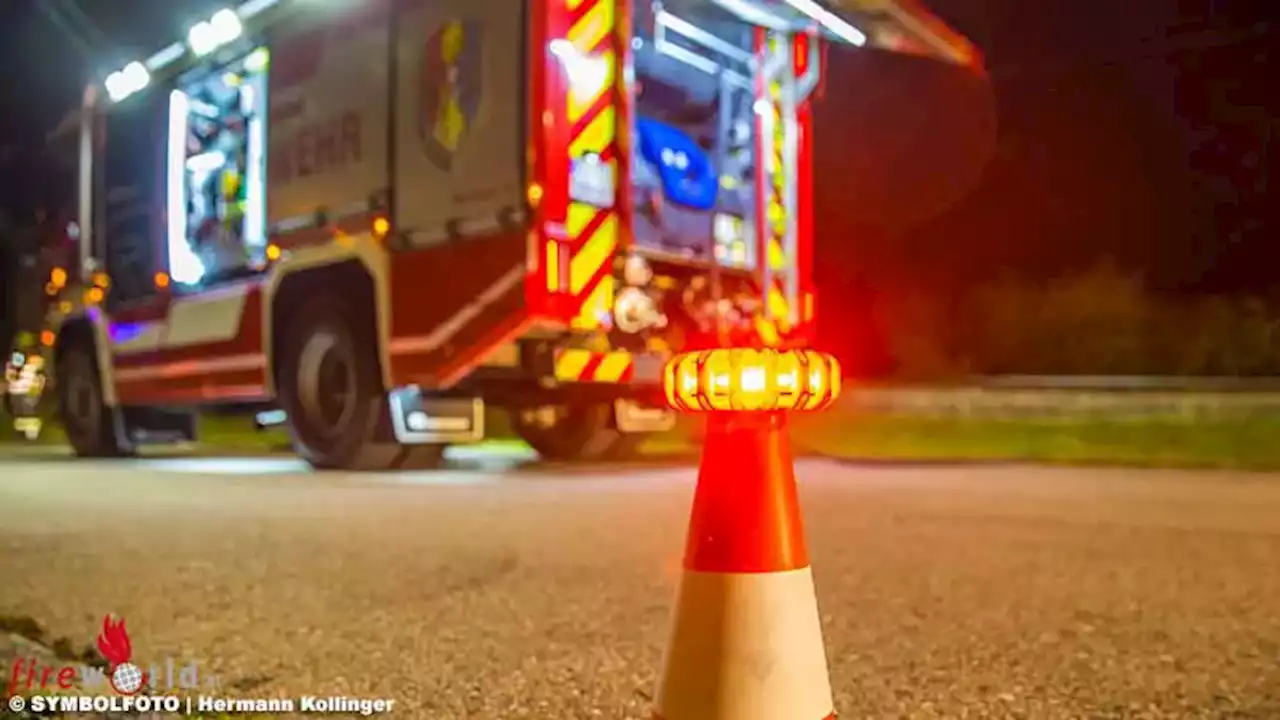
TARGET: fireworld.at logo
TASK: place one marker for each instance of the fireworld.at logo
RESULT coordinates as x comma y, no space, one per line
122,674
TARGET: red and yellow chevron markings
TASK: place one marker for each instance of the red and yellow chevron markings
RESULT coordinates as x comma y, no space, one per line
775,321
593,114
573,365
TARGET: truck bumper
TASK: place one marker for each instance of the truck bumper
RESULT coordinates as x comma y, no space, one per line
640,373
586,366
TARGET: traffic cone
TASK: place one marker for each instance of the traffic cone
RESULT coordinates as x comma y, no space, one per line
746,641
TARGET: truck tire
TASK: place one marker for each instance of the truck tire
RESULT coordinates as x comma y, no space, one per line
90,425
330,387
576,433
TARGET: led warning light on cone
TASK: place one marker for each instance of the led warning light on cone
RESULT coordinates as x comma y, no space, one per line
748,380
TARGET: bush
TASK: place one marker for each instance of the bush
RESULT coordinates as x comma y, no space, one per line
1101,322
920,338
1092,323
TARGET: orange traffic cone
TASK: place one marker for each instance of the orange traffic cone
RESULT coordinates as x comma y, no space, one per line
746,642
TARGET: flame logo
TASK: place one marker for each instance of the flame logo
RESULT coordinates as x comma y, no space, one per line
113,641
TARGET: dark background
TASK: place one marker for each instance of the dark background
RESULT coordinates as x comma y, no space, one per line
1136,132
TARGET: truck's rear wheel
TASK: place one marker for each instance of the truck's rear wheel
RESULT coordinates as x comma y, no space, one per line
573,432
90,425
331,389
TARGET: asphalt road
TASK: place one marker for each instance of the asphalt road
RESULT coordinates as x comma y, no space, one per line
491,592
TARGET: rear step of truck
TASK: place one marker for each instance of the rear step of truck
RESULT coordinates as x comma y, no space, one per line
630,416
418,419
156,426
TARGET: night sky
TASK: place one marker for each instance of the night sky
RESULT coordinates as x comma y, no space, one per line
1140,134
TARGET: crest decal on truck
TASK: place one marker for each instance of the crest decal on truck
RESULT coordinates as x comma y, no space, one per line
452,75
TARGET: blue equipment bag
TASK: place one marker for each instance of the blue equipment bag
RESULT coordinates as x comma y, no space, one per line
687,175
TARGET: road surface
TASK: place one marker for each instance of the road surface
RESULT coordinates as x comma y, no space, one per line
492,591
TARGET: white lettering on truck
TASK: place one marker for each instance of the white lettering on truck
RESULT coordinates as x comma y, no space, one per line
316,148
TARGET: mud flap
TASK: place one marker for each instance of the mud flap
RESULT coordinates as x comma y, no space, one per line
420,420
157,426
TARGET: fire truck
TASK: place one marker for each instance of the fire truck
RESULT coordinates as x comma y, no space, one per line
379,218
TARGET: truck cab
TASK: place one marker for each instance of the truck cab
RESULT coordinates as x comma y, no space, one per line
380,218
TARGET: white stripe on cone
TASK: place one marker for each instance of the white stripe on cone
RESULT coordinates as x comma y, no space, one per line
746,646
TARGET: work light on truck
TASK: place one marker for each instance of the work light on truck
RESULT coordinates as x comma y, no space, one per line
587,73
123,83
209,35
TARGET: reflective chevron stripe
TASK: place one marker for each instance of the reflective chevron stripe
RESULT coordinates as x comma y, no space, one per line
775,322
776,300
593,114
587,366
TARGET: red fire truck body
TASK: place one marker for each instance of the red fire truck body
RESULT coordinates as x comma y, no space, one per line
381,216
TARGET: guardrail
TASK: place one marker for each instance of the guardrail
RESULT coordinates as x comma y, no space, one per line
1072,399
1127,383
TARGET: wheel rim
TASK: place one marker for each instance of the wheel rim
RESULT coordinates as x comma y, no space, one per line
327,384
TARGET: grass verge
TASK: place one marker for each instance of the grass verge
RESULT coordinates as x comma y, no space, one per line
216,433
1163,443
1237,443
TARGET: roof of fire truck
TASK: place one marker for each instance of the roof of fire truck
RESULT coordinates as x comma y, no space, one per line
903,26
894,25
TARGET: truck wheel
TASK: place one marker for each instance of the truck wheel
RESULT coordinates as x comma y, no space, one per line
331,390
89,424
583,433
